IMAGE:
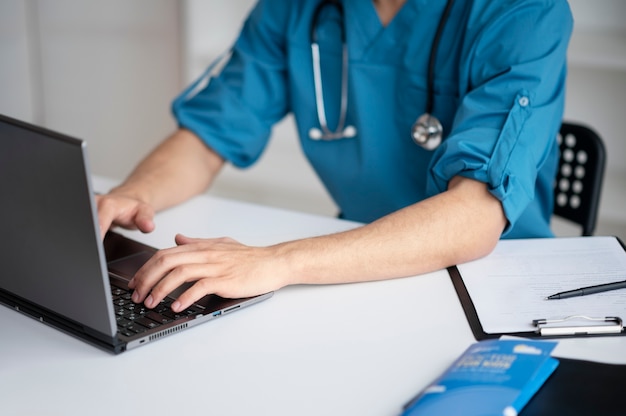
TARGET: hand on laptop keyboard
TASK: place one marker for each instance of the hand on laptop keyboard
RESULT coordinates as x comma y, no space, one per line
133,318
219,266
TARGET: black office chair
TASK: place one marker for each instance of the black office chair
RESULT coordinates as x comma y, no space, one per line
579,178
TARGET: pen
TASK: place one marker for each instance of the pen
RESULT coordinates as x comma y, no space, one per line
589,290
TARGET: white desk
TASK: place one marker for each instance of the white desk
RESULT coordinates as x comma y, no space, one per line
358,349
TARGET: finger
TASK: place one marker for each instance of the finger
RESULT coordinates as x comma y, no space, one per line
104,222
105,215
181,240
144,218
196,292
160,268
182,274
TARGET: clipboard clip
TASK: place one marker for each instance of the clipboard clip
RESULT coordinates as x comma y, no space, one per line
589,326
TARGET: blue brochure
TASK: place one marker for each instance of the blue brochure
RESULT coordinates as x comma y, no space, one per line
496,377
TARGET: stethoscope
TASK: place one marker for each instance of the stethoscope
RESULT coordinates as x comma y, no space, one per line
427,130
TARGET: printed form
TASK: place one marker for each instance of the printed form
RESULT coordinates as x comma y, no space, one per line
509,286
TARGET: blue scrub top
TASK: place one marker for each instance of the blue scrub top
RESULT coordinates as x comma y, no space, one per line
499,93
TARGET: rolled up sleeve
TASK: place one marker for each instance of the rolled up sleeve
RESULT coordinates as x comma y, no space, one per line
235,111
513,72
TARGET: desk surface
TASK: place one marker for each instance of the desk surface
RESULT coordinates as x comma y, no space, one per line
341,349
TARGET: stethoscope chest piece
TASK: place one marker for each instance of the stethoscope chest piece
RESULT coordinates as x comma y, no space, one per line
427,131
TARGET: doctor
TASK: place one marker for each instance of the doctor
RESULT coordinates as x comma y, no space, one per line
432,122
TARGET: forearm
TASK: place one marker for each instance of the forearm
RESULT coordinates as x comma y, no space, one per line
179,168
459,225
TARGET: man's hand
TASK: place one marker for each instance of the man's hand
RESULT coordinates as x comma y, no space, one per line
220,266
182,166
125,211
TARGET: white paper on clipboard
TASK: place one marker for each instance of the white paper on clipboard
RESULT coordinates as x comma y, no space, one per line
509,286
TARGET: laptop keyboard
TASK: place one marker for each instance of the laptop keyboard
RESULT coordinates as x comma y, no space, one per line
135,318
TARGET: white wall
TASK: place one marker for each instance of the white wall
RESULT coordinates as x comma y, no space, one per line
17,80
101,71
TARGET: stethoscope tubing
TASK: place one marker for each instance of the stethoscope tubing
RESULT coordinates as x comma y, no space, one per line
340,132
427,130
324,132
432,59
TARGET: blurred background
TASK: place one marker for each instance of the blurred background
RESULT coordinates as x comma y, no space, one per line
106,72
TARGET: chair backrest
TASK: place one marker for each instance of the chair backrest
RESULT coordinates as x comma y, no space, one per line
579,178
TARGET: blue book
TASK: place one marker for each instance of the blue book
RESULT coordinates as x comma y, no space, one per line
496,377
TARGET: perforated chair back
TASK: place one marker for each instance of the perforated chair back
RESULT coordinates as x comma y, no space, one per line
579,178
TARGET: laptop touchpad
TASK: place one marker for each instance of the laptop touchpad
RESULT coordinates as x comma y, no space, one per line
126,267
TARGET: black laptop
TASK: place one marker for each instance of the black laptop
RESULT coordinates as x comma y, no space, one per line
55,267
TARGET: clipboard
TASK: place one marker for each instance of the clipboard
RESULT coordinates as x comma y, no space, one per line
563,393
544,327
566,327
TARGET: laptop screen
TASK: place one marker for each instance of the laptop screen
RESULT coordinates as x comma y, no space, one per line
50,251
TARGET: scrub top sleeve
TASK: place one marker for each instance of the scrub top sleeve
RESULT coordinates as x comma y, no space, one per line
234,113
505,128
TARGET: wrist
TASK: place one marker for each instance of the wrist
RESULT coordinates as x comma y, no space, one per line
292,262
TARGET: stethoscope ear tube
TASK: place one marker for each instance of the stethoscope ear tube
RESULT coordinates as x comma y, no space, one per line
324,132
